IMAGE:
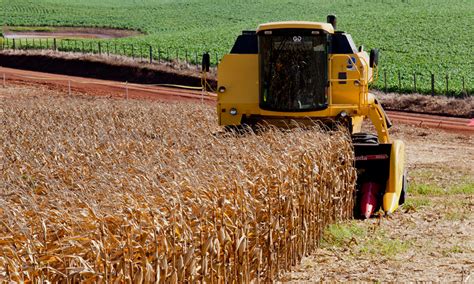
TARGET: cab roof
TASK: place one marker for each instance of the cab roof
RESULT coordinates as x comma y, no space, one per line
296,25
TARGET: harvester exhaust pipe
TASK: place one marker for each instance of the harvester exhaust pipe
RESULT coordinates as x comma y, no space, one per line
332,19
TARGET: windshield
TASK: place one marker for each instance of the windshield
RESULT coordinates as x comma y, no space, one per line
293,71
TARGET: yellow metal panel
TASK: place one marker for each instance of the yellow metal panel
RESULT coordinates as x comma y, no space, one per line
238,74
395,179
354,88
296,25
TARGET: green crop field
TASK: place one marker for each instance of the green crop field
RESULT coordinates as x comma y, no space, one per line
414,36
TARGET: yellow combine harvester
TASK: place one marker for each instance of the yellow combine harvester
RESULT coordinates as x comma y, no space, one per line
306,71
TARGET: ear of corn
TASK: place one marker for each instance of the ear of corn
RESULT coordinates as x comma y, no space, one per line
119,191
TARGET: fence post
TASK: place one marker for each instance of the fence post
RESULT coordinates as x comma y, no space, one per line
14,44
463,87
447,84
414,81
55,44
399,82
100,47
151,54
385,80
196,59
82,47
432,84
115,48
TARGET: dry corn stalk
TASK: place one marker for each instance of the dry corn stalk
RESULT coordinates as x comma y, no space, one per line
130,191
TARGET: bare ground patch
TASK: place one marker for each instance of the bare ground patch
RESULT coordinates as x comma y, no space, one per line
440,105
431,238
67,32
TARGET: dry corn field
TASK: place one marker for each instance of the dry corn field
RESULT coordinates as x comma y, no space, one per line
137,192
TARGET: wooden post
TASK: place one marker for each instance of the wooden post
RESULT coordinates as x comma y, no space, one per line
151,54
447,84
115,48
55,44
399,82
432,84
99,47
414,81
82,46
14,44
196,59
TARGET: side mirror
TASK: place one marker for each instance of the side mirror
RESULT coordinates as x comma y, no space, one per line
206,62
374,58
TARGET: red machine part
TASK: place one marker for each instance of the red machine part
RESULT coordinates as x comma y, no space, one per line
368,201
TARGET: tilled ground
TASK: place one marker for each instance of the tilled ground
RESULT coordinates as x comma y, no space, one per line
430,239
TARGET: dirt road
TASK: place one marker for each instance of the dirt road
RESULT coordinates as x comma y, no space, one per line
98,87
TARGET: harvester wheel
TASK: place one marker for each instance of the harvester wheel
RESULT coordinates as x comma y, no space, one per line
365,138
403,193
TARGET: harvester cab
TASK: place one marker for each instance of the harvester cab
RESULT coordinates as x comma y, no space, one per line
307,71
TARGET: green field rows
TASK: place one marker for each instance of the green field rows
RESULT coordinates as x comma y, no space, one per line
415,36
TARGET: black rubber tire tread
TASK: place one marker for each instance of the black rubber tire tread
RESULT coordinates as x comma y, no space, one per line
403,193
365,138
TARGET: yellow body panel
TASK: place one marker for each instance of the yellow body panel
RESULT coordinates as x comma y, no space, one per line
395,179
239,75
296,25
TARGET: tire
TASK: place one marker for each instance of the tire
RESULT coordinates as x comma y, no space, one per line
365,138
403,193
